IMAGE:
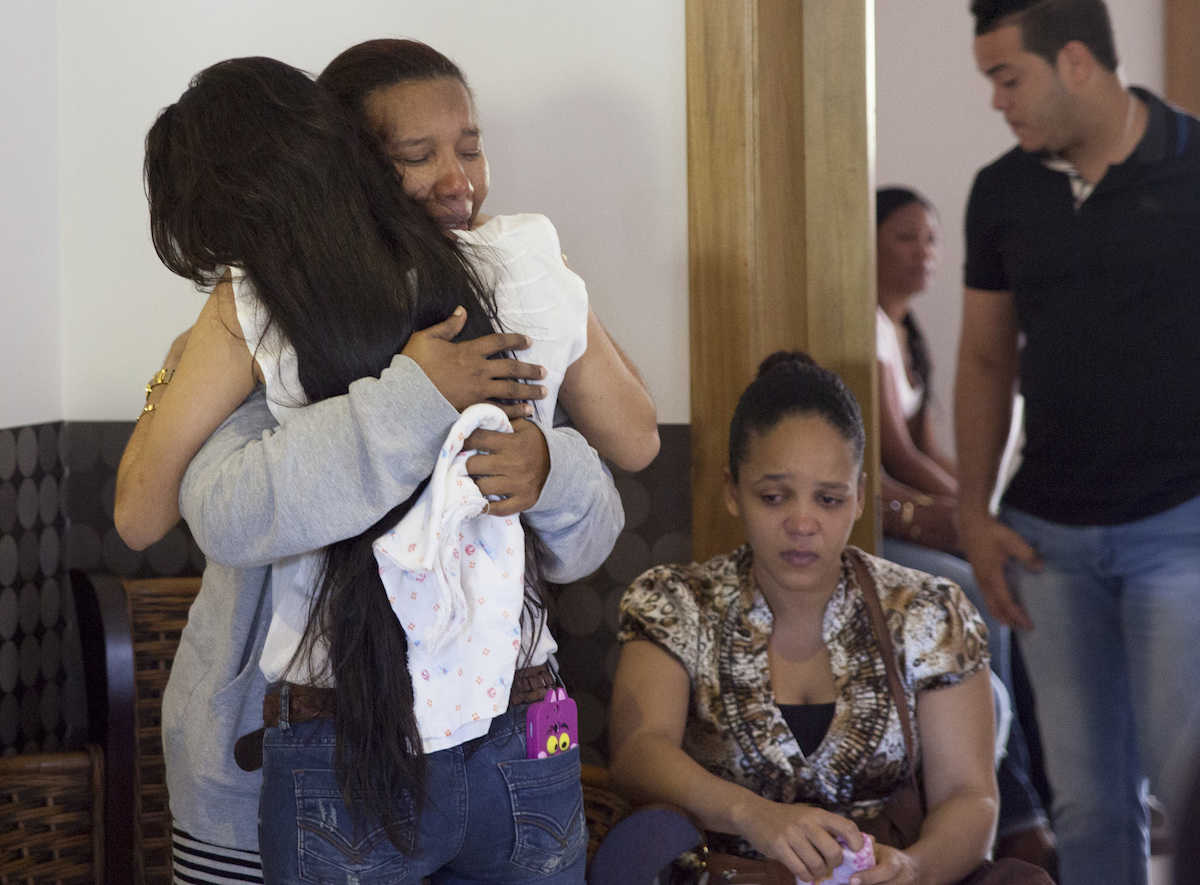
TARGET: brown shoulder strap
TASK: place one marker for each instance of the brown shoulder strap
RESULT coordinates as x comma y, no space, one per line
866,583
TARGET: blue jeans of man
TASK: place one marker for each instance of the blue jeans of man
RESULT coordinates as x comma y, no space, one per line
1020,804
490,814
1114,659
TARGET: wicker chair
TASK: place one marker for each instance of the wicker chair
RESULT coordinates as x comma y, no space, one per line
51,818
134,627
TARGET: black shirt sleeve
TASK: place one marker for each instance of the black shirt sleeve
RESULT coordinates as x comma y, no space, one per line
984,265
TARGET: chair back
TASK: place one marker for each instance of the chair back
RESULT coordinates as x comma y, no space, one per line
158,613
137,624
51,818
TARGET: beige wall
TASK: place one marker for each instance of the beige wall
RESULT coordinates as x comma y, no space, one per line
30,374
583,108
585,118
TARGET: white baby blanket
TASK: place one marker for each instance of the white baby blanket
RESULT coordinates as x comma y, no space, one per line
455,578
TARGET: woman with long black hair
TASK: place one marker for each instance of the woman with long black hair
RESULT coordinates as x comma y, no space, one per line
920,480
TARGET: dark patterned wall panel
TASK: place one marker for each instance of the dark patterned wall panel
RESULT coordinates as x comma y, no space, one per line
57,484
93,453
56,495
41,679
658,506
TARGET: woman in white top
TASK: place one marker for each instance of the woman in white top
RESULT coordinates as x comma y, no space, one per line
921,473
920,484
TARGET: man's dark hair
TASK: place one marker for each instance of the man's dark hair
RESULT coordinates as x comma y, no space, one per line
1049,25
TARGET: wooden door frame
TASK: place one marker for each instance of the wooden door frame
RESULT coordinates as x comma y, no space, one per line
1181,24
781,117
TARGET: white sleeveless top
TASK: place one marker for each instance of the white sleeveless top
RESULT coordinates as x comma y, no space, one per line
520,259
887,351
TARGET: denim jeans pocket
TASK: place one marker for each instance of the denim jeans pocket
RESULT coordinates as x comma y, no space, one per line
333,842
547,805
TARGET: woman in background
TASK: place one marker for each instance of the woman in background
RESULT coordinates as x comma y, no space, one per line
920,484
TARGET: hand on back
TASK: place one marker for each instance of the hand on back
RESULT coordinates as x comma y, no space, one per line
463,373
513,466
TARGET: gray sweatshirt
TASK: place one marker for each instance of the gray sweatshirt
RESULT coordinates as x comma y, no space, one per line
257,492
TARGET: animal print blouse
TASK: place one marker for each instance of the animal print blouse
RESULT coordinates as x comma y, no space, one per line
713,619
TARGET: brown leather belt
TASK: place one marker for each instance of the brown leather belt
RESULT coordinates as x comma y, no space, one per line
530,685
308,702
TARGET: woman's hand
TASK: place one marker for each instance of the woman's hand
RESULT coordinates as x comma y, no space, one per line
464,373
913,516
801,837
513,465
892,866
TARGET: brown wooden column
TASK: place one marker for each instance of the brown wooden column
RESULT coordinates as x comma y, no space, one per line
1182,20
780,178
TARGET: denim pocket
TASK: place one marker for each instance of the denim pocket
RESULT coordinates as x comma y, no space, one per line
547,805
332,842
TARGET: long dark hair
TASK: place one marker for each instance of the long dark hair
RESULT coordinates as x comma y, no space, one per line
256,167
789,382
352,76
887,201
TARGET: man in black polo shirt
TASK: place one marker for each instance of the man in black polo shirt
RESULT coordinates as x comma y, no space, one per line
1084,240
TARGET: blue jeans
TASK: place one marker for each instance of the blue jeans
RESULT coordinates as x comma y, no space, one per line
1020,804
490,814
1114,658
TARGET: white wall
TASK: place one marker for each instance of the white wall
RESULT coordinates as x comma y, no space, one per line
30,386
935,129
585,120
583,109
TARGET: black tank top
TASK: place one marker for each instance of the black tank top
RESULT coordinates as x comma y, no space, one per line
808,723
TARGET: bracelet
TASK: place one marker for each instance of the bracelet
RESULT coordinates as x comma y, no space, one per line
907,511
161,378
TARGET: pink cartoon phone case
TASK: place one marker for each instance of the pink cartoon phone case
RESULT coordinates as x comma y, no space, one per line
551,725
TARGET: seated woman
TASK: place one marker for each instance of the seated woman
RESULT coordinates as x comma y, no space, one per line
751,689
920,482
918,472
